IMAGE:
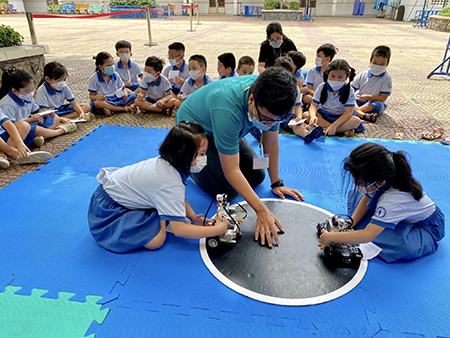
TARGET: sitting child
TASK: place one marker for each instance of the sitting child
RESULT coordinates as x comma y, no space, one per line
388,207
155,94
54,93
133,206
106,89
226,65
373,86
129,71
177,71
299,61
246,66
197,75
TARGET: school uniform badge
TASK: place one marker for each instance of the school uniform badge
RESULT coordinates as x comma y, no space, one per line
380,212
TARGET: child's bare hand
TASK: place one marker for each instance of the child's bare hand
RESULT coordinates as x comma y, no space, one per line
22,151
324,239
313,121
222,226
331,130
179,80
140,97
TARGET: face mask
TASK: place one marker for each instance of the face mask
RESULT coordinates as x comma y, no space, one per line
319,62
336,85
109,70
59,85
149,77
258,124
194,74
276,44
124,57
26,97
377,70
201,163
173,62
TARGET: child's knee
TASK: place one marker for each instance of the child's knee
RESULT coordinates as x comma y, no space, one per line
23,127
355,121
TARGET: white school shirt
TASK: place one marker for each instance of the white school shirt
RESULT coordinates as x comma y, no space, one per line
98,85
49,97
395,206
299,76
156,90
132,73
17,109
152,183
183,72
333,104
189,85
3,119
314,78
366,83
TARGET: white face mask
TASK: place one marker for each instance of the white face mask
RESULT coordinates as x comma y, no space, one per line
59,85
173,62
201,163
336,85
376,69
124,57
26,97
276,44
149,77
194,74
319,62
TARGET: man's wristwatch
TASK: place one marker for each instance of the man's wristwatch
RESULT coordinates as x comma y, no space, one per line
276,184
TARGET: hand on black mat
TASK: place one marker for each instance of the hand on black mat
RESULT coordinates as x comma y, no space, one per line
283,191
267,225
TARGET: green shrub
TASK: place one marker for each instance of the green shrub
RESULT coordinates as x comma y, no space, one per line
445,11
140,3
294,5
271,4
9,37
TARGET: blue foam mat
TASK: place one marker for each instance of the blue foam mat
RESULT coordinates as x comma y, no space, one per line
170,292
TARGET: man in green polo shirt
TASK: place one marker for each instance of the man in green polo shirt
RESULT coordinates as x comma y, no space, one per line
227,110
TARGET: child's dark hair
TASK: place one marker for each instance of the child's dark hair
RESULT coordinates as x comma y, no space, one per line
100,59
328,50
284,62
54,71
273,27
14,79
297,58
371,162
246,60
122,44
338,64
180,146
383,51
228,60
201,60
276,90
155,62
178,46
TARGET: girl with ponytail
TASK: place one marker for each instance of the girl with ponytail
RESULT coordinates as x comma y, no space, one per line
333,105
389,206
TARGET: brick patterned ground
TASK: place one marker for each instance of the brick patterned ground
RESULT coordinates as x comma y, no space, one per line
417,104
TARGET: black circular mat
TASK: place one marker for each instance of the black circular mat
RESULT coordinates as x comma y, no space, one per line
292,273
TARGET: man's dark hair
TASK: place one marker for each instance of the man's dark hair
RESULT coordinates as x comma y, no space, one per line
155,62
178,46
180,146
383,51
200,59
123,44
228,60
276,90
298,58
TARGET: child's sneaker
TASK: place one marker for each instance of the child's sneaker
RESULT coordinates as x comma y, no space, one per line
87,116
68,127
38,141
314,133
35,157
4,162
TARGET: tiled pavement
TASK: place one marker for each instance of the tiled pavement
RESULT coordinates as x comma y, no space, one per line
416,105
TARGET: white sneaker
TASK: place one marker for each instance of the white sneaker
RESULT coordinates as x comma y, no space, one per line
4,162
38,141
87,116
36,157
68,127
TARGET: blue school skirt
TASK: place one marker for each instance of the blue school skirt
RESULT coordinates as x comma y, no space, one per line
114,100
28,139
117,228
407,241
332,117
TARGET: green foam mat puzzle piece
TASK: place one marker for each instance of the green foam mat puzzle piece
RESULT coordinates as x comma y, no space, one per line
33,316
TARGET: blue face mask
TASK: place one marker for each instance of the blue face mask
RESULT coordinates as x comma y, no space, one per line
109,70
258,124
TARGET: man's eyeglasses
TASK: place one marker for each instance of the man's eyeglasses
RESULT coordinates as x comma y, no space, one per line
268,119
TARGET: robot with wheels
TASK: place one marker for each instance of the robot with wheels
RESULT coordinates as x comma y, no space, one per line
234,215
340,255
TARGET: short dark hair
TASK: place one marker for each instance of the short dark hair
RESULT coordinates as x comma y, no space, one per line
228,60
178,46
284,62
200,59
14,79
100,59
276,90
273,27
246,60
338,64
180,146
54,70
298,58
122,44
383,51
328,50
155,62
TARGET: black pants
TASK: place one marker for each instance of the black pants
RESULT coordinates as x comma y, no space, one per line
212,179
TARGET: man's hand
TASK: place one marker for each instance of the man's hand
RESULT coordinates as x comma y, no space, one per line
266,228
283,191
